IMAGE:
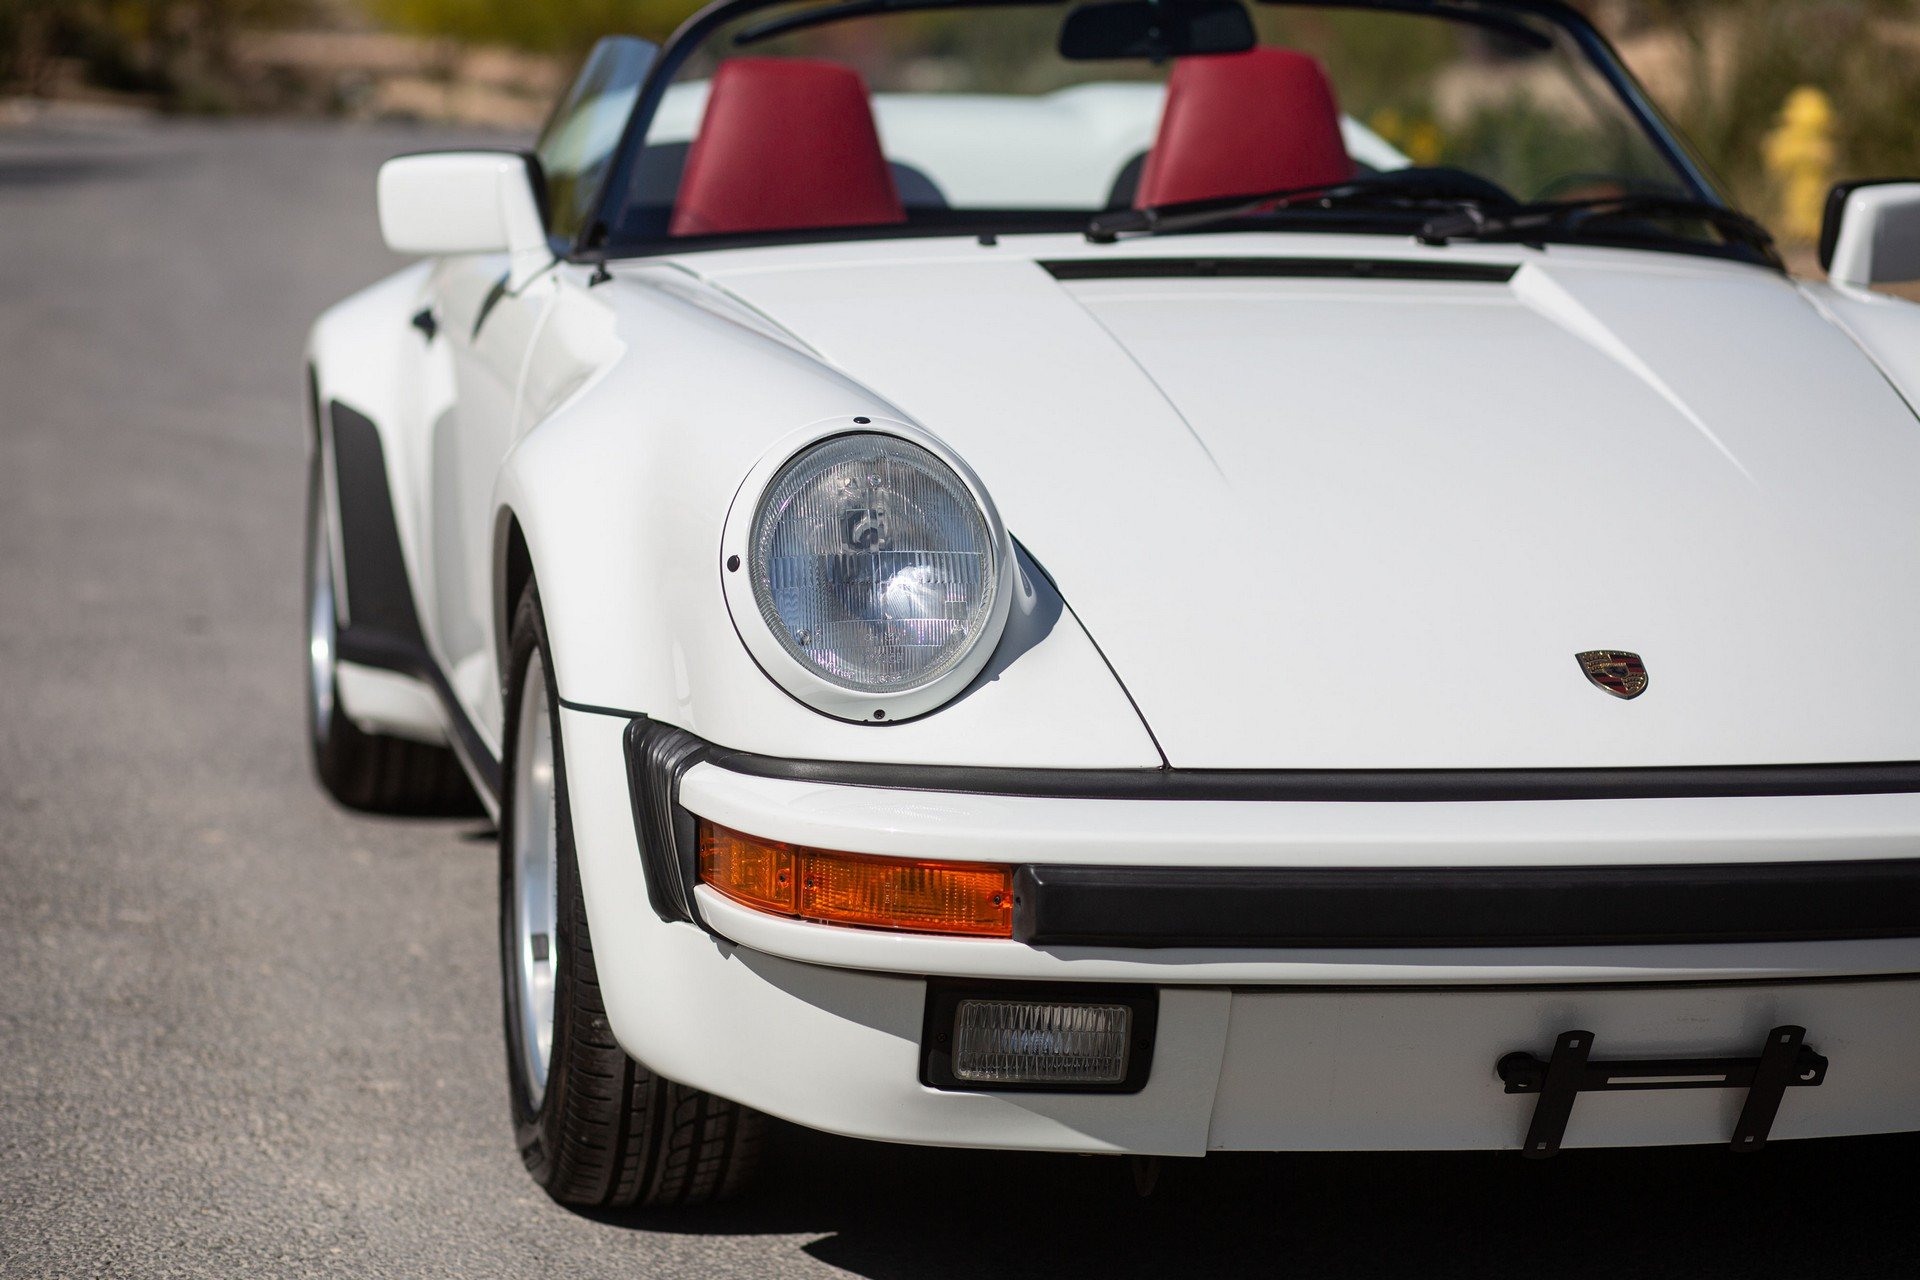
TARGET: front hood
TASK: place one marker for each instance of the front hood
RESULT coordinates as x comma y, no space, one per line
1365,523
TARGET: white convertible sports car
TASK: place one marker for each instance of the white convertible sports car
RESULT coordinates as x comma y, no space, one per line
1149,577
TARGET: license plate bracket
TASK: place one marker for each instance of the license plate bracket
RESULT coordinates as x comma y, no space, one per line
1785,1062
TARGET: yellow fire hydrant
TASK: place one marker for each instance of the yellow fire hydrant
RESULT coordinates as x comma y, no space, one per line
1800,154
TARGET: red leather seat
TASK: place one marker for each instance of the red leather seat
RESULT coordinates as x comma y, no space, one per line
1234,123
785,144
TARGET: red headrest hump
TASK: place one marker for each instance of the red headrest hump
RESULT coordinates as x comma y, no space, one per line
785,144
1235,123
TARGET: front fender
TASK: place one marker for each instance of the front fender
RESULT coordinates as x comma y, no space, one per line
1886,328
621,496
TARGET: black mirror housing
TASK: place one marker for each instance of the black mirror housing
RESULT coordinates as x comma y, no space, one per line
1155,29
1836,212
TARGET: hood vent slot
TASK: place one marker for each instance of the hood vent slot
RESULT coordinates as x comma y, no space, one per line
1278,268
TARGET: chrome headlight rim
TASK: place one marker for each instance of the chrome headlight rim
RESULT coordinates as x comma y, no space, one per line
803,682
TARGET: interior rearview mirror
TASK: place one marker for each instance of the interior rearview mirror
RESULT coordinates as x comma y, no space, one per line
454,202
1872,234
1155,29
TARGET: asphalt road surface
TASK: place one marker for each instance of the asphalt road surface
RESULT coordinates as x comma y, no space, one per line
243,1033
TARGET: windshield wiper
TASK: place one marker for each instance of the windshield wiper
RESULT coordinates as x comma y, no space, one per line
1426,189
1571,217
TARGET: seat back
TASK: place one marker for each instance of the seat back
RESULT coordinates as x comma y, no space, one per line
1263,120
785,144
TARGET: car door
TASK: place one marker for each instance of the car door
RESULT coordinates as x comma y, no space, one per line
490,320
487,327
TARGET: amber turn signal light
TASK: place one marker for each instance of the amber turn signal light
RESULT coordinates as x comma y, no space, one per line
913,894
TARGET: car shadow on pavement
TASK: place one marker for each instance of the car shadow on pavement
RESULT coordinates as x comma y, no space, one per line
1840,1208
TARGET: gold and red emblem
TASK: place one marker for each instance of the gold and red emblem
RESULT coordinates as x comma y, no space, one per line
1621,674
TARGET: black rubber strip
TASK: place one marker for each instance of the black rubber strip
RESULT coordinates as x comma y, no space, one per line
1465,906
658,756
379,595
592,710
1327,785
1278,268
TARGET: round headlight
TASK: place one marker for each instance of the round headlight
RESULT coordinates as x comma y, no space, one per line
876,568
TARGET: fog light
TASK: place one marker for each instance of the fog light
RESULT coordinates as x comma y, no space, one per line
1031,1042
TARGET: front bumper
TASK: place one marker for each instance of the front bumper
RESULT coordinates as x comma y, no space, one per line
1325,1048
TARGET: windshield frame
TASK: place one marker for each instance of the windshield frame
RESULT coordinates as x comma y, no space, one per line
591,243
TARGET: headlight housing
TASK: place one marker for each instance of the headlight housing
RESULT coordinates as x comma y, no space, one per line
871,571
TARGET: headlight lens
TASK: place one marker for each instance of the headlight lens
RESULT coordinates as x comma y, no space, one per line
872,563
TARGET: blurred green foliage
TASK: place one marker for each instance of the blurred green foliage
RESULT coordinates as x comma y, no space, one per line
1725,71
1745,57
179,50
565,26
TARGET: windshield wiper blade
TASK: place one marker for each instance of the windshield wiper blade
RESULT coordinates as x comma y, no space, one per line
1190,215
1571,216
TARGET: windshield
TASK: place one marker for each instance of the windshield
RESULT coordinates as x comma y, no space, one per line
969,120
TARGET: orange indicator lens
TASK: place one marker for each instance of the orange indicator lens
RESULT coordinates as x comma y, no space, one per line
972,898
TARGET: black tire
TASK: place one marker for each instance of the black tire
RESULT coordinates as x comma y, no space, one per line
370,772
605,1133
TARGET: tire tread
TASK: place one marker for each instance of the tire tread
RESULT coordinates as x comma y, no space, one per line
624,1137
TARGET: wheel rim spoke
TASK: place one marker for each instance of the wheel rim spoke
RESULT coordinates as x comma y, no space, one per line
322,623
535,889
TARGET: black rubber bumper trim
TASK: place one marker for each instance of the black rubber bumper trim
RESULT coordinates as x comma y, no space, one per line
1319,785
1305,908
658,756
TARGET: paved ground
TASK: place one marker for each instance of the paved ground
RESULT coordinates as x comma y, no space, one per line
244,1033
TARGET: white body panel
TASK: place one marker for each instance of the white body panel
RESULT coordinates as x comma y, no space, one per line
390,703
648,508
1266,524
1247,833
1253,1052
1415,502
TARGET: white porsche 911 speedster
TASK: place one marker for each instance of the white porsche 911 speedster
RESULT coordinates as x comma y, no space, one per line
1138,576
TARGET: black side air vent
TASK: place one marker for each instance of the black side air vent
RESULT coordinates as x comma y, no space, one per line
1278,268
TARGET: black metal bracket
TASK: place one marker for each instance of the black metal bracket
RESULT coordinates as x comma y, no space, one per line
1785,1063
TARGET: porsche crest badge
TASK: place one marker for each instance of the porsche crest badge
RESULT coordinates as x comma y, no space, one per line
1621,674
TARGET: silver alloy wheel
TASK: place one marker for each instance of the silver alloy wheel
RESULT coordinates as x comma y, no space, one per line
536,879
323,628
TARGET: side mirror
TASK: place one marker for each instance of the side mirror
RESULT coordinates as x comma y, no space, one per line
1152,29
1872,234
453,202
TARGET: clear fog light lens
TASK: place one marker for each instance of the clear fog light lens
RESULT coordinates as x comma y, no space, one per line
1029,1042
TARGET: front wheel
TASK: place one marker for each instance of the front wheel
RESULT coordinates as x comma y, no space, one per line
596,1129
